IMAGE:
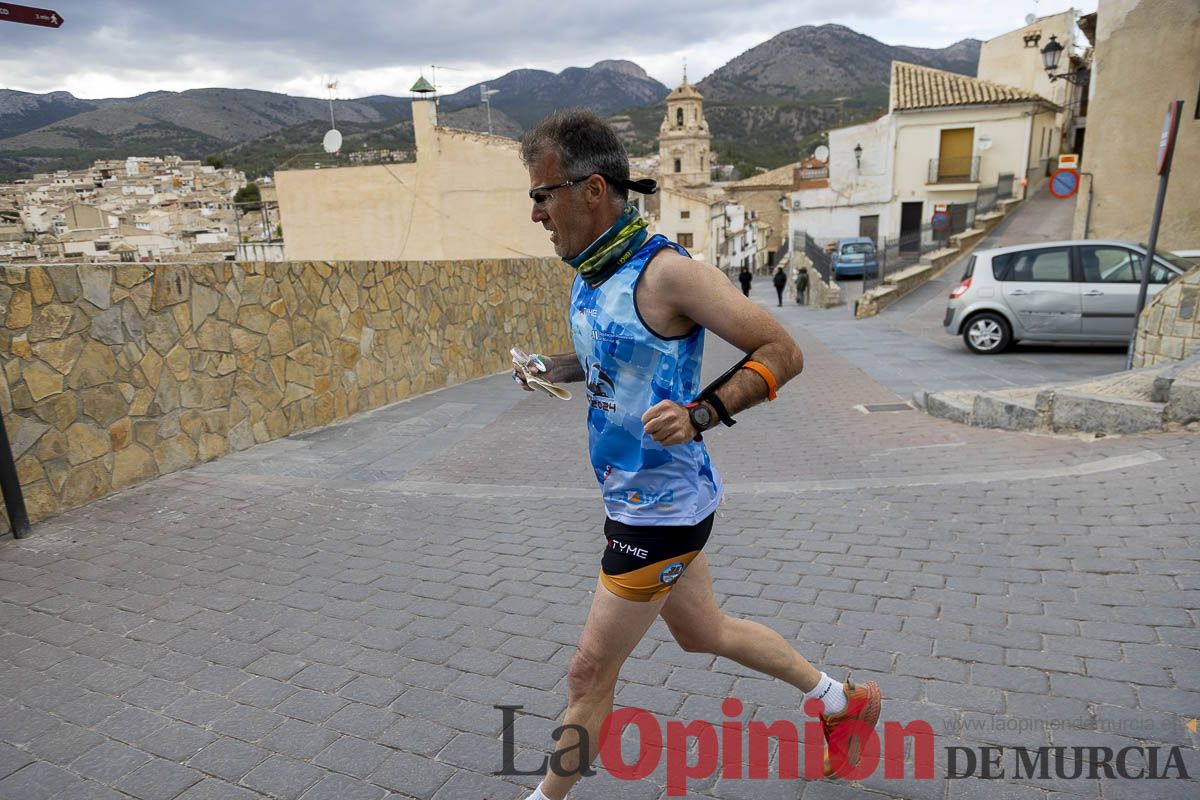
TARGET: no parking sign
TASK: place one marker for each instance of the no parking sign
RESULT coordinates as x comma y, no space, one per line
1064,183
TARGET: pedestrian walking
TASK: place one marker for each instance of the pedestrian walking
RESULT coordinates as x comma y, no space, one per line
802,285
639,311
744,277
780,281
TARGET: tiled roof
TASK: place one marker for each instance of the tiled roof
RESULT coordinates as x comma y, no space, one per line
915,87
780,176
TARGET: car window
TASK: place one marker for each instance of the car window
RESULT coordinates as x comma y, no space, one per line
970,268
1179,261
1108,264
1051,265
859,247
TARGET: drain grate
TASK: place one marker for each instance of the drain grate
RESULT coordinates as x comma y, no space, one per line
875,408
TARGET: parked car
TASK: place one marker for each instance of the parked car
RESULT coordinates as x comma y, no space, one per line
1076,291
854,257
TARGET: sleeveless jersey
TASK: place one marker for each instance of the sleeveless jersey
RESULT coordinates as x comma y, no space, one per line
628,369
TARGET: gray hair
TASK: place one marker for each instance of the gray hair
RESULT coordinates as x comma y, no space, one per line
585,145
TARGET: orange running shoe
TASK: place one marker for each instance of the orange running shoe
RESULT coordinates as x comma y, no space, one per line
862,704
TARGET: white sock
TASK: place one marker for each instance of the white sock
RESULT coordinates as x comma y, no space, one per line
537,794
829,692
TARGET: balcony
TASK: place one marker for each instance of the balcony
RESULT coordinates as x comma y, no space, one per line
955,169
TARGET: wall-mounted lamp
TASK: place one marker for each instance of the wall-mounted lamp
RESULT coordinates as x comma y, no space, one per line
1051,54
858,155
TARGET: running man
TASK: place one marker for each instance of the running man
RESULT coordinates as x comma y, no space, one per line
639,310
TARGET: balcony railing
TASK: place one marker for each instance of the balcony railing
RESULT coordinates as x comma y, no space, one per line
955,169
813,173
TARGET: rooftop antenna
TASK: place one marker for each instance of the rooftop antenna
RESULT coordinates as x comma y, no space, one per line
333,138
433,77
685,70
484,94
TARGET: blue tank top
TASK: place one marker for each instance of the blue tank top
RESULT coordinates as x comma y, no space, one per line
628,369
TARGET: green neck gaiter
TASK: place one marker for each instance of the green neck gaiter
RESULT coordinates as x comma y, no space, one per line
612,248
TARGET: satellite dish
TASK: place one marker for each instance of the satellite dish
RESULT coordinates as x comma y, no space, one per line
821,153
333,141
1030,19
984,142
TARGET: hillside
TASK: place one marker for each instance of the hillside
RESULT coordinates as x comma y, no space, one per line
765,107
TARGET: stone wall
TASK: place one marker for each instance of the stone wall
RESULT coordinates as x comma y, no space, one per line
1169,327
116,374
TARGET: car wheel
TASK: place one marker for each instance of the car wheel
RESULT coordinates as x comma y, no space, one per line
987,333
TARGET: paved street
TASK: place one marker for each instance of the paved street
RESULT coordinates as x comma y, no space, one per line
336,614
906,349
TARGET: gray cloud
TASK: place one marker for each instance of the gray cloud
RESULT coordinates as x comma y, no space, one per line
256,44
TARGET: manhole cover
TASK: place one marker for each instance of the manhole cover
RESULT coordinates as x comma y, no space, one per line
874,408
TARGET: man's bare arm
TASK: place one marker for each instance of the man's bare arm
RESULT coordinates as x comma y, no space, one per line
563,368
704,295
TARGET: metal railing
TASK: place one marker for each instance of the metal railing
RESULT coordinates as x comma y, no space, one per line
813,173
985,199
1004,185
954,169
816,255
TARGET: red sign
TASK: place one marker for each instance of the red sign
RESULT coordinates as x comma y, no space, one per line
1064,183
1166,142
11,12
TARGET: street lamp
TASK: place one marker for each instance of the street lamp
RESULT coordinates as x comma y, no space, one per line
858,155
1051,54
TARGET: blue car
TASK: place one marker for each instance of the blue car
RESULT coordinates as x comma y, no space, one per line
854,257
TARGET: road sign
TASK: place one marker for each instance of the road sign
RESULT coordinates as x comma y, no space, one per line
940,221
1068,161
1064,183
11,12
1166,142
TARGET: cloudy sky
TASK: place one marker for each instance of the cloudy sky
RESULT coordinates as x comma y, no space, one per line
120,48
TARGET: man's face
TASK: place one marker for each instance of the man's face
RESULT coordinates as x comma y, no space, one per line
564,213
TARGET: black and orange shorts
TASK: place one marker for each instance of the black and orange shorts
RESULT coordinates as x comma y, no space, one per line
642,562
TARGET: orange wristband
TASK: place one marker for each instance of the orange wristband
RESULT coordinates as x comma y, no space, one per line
764,373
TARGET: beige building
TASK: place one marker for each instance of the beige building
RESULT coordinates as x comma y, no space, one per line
945,137
465,197
1015,59
1146,53
765,196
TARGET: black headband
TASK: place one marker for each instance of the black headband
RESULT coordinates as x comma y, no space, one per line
644,186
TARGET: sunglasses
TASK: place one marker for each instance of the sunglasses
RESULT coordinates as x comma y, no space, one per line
540,195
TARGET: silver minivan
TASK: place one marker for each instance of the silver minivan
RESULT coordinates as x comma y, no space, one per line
1078,291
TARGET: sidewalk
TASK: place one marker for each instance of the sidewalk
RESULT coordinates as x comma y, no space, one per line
337,614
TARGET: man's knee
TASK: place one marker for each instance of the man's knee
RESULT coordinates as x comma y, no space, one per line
695,639
589,675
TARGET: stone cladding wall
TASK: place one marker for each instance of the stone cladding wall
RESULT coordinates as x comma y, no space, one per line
114,374
1169,327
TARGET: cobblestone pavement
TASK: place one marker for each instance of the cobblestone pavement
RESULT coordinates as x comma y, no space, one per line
335,615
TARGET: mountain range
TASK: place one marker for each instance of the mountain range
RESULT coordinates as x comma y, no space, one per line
764,108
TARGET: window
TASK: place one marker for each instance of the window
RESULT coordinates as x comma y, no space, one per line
1050,265
1109,264
678,165
679,117
685,214
685,240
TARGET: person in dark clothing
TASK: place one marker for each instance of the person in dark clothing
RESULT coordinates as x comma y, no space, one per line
744,277
802,286
780,281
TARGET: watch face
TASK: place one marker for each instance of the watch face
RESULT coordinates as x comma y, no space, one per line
701,417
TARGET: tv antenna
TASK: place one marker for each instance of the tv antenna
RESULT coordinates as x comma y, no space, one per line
333,138
433,74
484,95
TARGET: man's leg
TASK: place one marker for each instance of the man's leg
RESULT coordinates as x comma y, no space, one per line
614,627
699,626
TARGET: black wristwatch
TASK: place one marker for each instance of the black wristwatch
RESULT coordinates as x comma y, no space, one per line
701,418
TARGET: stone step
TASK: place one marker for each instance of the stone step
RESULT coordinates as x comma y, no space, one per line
1091,413
1009,410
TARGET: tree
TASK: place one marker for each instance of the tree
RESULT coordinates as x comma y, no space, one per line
216,162
248,194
